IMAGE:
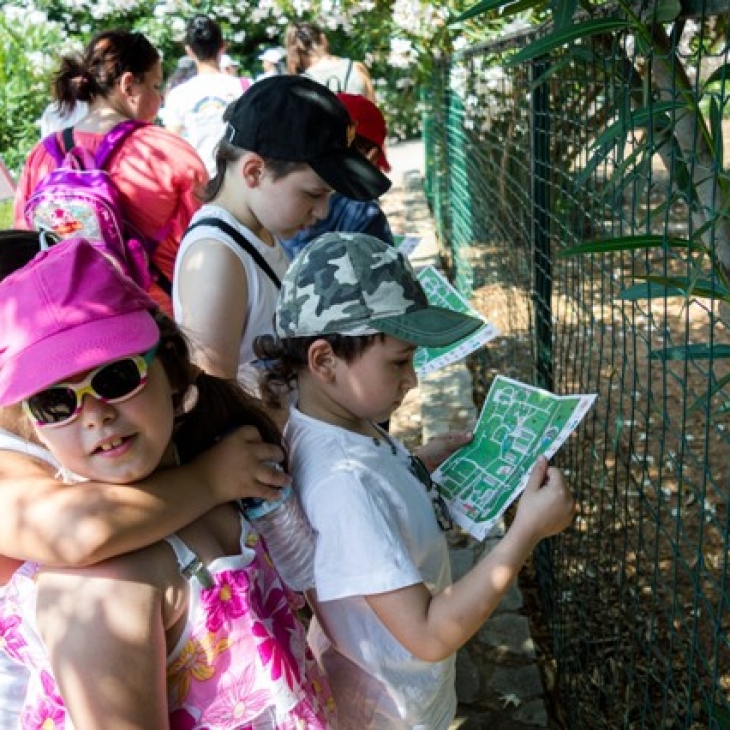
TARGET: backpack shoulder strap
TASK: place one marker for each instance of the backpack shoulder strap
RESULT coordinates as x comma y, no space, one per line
347,74
242,241
113,138
67,135
54,149
67,150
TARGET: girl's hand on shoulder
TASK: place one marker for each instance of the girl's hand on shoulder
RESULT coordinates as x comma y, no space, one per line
547,505
440,447
243,465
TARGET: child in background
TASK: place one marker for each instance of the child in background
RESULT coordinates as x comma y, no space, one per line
354,216
308,52
194,109
287,146
194,631
388,620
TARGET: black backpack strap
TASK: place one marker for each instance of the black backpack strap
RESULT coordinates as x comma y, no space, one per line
68,139
242,241
159,278
347,74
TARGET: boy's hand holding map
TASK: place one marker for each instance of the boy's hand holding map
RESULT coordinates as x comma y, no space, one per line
518,424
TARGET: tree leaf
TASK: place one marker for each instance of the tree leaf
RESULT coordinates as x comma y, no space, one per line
630,243
700,351
553,41
563,11
484,7
658,287
719,74
666,11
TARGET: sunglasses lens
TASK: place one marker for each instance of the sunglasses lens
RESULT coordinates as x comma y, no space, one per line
54,405
113,382
117,379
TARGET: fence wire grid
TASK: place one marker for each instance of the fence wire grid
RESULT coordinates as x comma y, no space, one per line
613,138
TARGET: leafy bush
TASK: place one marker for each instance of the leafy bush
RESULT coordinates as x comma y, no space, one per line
397,39
6,214
26,41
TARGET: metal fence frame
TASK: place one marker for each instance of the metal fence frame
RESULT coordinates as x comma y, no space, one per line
636,596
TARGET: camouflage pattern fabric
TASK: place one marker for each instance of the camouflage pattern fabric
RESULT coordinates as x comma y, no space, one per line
345,281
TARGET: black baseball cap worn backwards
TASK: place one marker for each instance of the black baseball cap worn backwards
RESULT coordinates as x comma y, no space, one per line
296,119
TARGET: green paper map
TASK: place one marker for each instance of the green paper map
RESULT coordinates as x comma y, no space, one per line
440,292
517,424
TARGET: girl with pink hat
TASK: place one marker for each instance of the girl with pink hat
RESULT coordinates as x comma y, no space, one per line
194,631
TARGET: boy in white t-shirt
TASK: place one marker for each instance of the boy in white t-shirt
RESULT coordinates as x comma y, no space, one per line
194,109
388,620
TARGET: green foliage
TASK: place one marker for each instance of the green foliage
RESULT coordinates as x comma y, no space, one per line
397,39
6,214
24,68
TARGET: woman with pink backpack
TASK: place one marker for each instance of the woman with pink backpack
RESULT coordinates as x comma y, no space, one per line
156,173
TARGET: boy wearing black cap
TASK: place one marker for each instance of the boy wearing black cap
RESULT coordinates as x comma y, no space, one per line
286,148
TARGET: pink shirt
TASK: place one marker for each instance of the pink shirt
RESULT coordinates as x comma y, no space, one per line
157,173
242,662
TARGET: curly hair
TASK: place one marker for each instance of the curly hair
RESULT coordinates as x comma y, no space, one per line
284,359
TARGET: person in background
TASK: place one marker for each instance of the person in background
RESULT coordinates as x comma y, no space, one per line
344,214
230,66
195,108
184,69
308,52
387,618
272,62
119,75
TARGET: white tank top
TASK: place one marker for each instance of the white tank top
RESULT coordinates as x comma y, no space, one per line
262,292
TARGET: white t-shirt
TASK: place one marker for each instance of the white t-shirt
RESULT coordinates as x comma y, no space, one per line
262,292
197,107
376,532
14,677
53,121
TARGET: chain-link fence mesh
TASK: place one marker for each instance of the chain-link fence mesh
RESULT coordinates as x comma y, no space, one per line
618,136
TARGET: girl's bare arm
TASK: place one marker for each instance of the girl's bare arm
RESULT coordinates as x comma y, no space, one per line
44,520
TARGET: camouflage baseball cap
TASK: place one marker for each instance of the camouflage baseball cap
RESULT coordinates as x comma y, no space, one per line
351,283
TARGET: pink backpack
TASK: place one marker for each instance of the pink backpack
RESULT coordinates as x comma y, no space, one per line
80,200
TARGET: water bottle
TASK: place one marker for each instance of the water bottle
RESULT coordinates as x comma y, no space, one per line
288,536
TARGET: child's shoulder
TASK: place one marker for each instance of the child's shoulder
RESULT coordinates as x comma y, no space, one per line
318,448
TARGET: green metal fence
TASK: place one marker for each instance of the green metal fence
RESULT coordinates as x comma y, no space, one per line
598,143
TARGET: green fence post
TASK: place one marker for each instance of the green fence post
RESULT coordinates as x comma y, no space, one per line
542,263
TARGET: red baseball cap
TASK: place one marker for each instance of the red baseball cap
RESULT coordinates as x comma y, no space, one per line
370,123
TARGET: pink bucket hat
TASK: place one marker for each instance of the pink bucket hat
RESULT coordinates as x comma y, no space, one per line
69,310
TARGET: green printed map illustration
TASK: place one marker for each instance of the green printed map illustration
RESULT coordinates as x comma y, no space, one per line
440,293
517,424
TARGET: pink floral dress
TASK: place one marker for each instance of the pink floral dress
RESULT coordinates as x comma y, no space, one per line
241,663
